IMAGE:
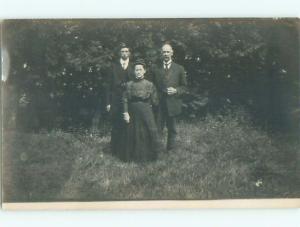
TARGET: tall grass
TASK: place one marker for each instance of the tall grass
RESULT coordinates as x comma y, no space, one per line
219,157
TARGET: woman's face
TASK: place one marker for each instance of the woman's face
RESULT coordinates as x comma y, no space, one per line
139,71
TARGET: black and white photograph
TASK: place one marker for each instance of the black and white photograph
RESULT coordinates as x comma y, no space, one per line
99,110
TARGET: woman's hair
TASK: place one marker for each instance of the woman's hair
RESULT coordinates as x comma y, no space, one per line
140,61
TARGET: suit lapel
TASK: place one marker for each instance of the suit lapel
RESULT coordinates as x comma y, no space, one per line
171,69
123,75
130,71
163,77
119,67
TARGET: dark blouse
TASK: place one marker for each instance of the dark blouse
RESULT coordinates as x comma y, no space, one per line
139,91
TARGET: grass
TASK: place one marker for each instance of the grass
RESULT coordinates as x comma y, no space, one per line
220,157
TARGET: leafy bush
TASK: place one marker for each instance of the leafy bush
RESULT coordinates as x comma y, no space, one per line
59,67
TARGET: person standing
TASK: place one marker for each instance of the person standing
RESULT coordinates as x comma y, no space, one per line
170,81
139,98
120,73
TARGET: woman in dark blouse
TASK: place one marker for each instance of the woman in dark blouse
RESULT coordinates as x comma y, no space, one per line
138,99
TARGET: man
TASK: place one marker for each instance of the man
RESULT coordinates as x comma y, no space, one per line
170,80
120,73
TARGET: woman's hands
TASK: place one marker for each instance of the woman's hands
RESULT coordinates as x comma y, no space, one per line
171,91
126,117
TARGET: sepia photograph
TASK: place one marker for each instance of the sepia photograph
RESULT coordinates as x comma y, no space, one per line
99,110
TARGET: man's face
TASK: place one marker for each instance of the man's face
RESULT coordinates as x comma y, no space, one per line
125,53
167,52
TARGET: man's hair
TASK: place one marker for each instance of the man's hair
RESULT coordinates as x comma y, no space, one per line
123,45
167,44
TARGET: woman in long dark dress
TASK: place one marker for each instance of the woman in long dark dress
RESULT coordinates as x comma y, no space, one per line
142,134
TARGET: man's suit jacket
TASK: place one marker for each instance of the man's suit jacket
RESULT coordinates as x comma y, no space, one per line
116,81
174,77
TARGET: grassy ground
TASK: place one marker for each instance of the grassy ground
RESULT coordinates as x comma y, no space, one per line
216,158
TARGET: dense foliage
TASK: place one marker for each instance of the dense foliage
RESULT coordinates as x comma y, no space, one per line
58,67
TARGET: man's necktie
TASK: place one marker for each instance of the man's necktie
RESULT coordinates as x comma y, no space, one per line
166,66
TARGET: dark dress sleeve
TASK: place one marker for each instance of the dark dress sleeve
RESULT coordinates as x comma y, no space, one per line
153,95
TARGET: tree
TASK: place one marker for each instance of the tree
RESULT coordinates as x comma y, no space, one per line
59,66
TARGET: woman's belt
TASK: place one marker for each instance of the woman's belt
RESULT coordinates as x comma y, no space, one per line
139,99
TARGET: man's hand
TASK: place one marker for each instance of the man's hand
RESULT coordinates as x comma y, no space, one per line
171,91
108,108
126,117
24,100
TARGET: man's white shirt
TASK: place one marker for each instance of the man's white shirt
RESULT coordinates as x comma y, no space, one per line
124,63
167,65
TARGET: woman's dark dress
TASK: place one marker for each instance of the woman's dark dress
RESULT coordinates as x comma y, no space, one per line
115,86
142,134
